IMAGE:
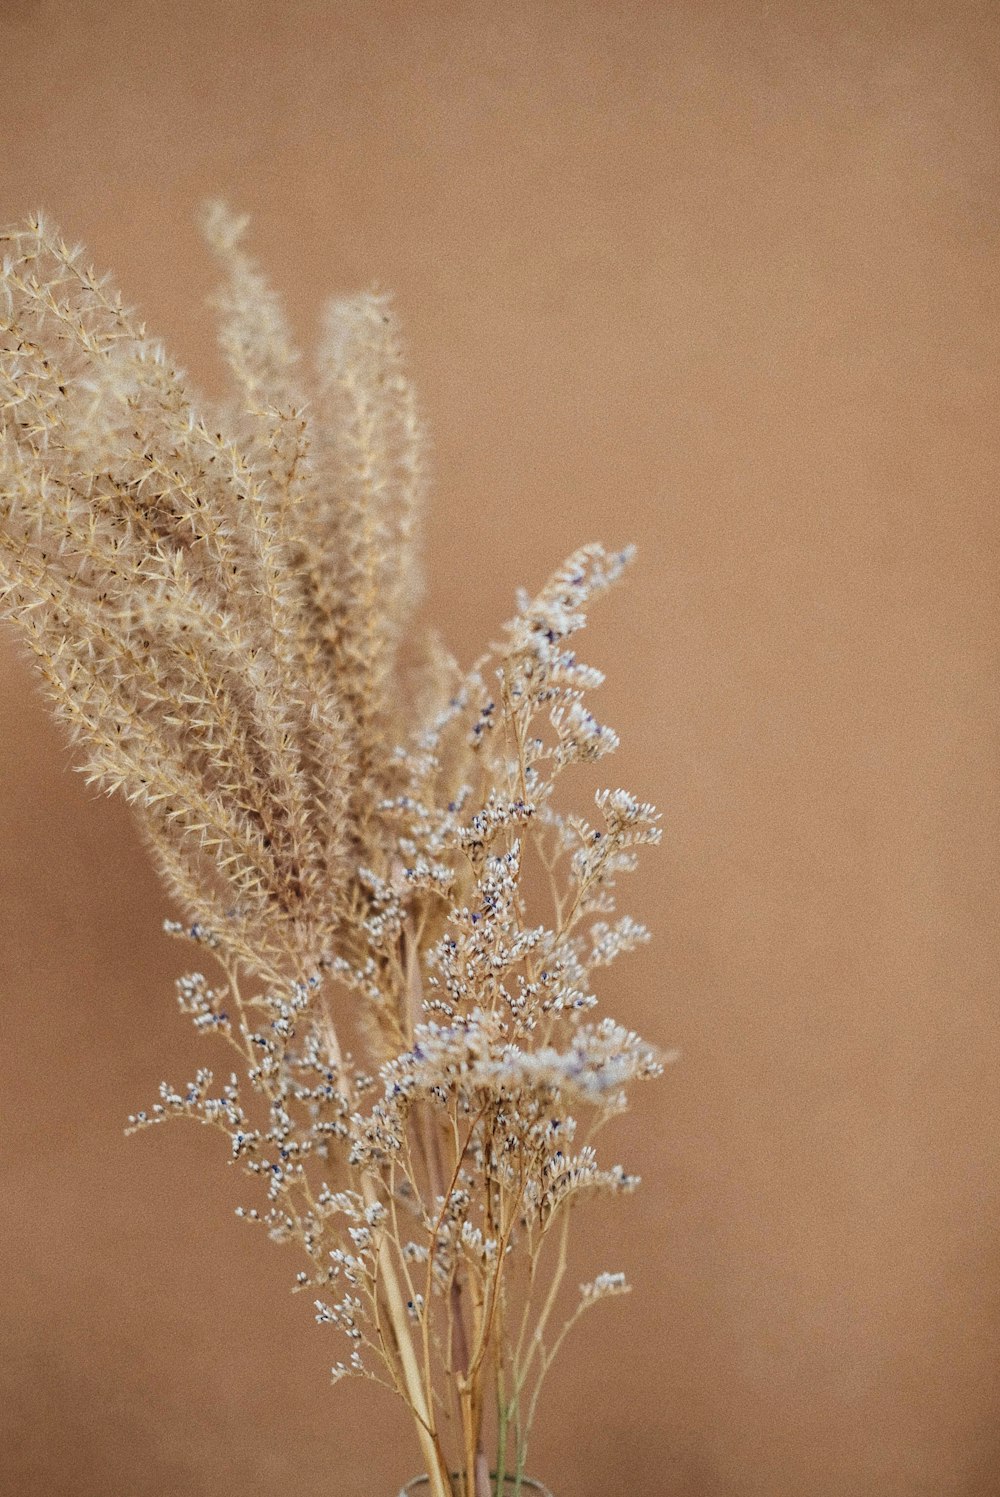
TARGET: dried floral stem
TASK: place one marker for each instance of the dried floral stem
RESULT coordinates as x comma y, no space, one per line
220,601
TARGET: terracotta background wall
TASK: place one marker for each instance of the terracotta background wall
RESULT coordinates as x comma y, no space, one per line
720,278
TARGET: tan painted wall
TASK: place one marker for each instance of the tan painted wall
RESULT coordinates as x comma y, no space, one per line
719,278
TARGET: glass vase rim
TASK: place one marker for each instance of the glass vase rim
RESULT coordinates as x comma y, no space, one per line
528,1484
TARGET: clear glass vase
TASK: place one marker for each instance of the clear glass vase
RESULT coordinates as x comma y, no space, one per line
512,1487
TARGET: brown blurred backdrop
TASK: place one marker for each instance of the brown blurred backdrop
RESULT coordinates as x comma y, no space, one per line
720,278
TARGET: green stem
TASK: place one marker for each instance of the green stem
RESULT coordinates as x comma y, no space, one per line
522,1452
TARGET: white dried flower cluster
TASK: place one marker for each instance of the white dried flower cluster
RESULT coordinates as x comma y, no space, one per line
605,1286
219,605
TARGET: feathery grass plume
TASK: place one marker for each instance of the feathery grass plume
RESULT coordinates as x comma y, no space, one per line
217,602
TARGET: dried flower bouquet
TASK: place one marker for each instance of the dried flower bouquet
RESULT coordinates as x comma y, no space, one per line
220,602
